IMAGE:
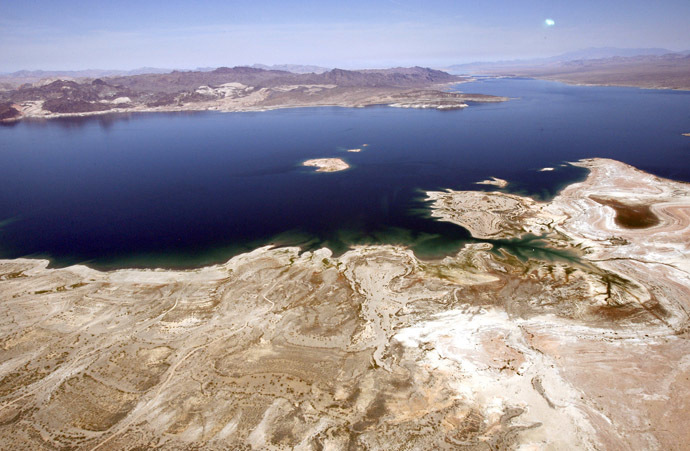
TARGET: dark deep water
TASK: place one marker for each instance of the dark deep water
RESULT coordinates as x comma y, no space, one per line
183,190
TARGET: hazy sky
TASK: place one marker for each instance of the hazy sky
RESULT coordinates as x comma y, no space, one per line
124,34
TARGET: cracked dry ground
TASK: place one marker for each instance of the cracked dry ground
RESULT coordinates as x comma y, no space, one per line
375,349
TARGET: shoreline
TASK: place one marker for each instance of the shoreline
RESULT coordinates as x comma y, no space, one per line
429,97
278,341
584,84
197,110
433,213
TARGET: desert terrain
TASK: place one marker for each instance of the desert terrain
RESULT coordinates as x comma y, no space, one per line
235,89
374,349
670,71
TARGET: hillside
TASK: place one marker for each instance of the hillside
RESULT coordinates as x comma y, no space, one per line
237,89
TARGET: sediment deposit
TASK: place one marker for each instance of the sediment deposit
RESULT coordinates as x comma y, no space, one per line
375,349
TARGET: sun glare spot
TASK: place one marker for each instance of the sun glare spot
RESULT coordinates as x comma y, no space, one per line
549,22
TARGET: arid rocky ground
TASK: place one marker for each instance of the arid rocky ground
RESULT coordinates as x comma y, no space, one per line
327,164
235,89
375,349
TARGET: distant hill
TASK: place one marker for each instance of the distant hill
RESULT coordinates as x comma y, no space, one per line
177,81
87,73
294,68
15,79
608,52
584,54
665,71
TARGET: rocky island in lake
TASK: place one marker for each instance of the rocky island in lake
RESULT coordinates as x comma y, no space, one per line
327,164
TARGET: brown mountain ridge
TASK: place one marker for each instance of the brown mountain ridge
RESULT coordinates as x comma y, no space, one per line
236,89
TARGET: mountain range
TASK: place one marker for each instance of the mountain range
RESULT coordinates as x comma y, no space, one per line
236,89
577,55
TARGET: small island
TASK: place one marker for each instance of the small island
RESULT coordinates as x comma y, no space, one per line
327,164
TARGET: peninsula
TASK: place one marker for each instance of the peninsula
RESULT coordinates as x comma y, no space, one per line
236,89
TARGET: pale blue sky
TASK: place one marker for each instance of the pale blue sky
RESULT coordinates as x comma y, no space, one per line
126,34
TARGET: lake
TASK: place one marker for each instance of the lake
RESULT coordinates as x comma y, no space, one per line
189,189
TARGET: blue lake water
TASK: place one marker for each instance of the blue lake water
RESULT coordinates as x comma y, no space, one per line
183,190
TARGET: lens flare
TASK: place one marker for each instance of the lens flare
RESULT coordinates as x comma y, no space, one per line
549,22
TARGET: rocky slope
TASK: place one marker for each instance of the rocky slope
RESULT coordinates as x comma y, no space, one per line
235,89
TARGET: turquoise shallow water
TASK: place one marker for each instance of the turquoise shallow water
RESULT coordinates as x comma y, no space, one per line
183,190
